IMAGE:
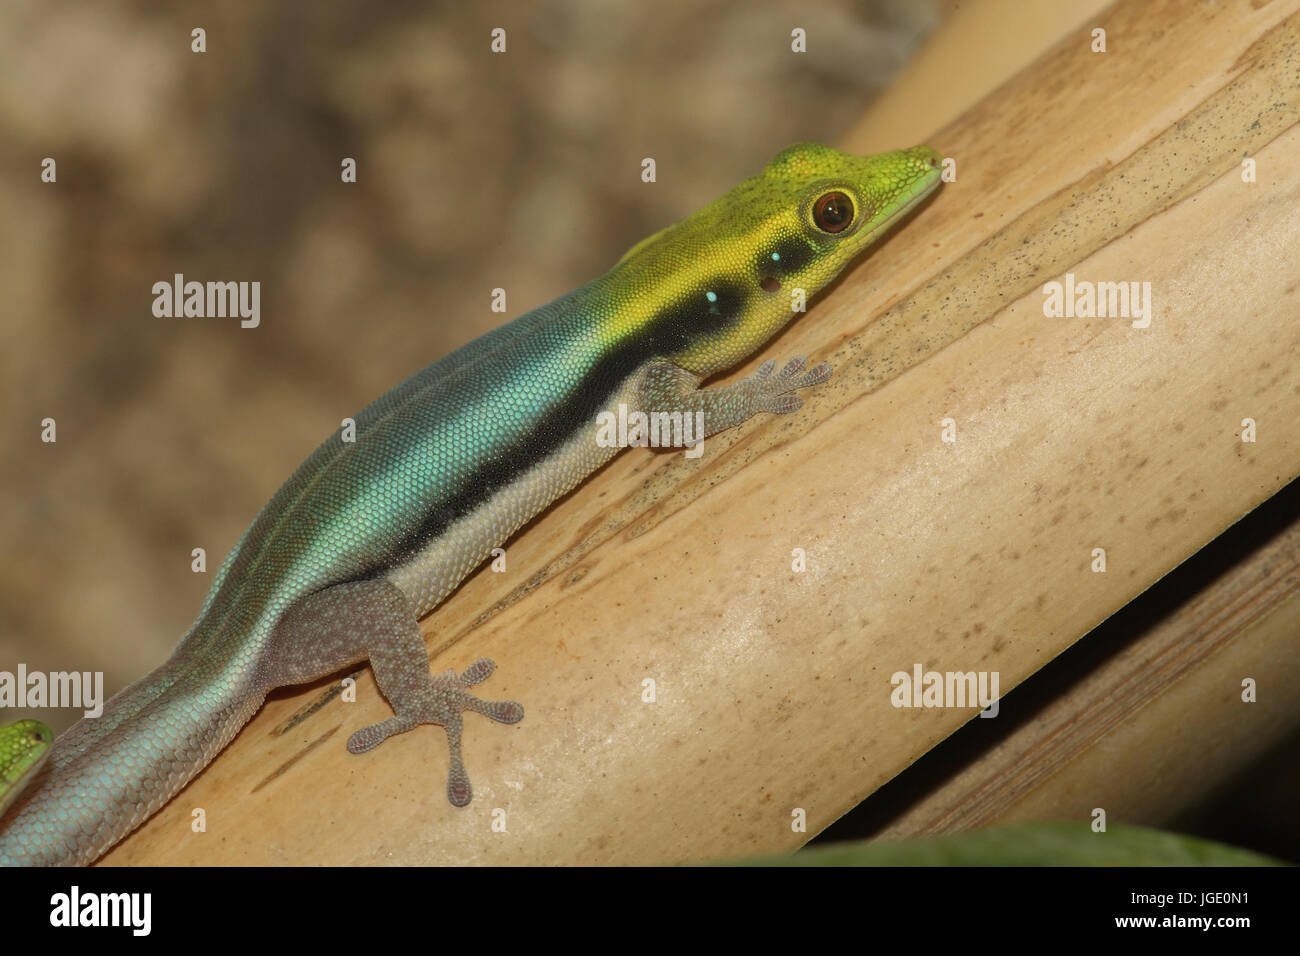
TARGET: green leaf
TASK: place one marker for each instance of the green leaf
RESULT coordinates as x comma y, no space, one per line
1057,843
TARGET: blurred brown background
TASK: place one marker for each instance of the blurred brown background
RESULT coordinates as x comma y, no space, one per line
475,171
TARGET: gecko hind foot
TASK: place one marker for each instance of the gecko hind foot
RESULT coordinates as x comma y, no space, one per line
442,701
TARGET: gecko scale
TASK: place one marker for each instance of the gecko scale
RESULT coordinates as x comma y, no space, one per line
366,537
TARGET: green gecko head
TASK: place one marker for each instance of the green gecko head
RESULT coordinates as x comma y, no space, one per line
23,746
727,276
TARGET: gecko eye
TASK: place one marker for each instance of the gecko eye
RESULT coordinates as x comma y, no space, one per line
833,212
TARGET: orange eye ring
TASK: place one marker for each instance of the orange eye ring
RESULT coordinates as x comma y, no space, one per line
833,212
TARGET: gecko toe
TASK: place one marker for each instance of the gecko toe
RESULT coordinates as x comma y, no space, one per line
367,738
781,404
459,792
815,375
502,711
793,367
478,672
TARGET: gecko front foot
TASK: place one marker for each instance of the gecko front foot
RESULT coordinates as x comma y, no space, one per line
775,393
440,700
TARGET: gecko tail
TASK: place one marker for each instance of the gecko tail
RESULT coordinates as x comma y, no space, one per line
107,775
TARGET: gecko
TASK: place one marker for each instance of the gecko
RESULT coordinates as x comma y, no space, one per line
368,536
24,745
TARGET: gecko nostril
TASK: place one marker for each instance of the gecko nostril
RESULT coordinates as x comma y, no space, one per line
770,284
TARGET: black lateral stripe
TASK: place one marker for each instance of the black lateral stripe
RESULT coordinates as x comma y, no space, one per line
672,330
682,324
794,253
